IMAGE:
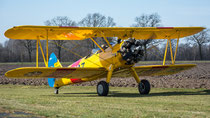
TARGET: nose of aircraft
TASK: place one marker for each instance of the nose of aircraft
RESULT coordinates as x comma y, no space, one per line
131,51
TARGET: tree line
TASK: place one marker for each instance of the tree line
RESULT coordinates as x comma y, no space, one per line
195,47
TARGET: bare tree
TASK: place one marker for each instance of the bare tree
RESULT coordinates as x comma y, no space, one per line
200,39
29,45
2,54
97,20
60,21
147,20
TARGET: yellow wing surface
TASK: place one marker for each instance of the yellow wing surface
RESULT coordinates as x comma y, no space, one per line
80,33
154,70
44,72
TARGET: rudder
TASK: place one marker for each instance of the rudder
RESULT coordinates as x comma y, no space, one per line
53,62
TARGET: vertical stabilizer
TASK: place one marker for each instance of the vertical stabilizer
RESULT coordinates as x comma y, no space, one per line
53,62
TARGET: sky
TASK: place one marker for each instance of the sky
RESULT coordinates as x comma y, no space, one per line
173,13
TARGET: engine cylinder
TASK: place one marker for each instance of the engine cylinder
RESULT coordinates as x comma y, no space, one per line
131,51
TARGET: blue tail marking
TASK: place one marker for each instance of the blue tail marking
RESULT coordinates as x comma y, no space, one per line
52,60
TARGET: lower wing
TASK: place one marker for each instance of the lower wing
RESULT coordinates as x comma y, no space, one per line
73,72
45,72
154,70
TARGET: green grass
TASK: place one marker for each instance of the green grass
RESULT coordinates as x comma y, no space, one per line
78,101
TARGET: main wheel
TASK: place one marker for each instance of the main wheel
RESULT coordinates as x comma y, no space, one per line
144,87
103,88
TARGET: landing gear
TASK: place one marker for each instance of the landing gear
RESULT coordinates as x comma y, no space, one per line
144,87
56,90
103,88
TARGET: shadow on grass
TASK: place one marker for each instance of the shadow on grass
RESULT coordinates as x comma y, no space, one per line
120,94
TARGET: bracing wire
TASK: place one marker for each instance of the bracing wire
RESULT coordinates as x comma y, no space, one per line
154,47
87,48
74,53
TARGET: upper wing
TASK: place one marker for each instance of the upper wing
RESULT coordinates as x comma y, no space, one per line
80,33
154,70
45,72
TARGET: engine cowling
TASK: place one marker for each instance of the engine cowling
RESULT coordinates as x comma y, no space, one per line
131,51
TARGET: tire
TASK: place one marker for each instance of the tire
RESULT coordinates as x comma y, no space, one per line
56,90
144,87
102,88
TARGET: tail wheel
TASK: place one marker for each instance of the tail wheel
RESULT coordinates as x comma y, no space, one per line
103,88
144,87
56,90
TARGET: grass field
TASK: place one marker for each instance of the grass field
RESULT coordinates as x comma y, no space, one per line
79,101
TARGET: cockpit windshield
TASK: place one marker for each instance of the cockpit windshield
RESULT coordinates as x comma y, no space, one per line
98,50
95,50
103,46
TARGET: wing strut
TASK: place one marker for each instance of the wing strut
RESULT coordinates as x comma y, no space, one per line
39,45
45,62
37,52
104,37
164,60
47,49
177,43
107,42
97,44
173,57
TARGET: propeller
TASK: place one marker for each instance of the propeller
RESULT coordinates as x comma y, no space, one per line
131,51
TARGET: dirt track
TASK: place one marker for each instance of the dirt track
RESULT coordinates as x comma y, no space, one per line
198,77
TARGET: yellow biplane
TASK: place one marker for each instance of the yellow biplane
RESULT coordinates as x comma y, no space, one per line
112,61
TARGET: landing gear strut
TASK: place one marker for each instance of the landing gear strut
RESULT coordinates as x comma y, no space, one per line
143,85
103,88
56,90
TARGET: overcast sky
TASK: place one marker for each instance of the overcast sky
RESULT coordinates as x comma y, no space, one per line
35,12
